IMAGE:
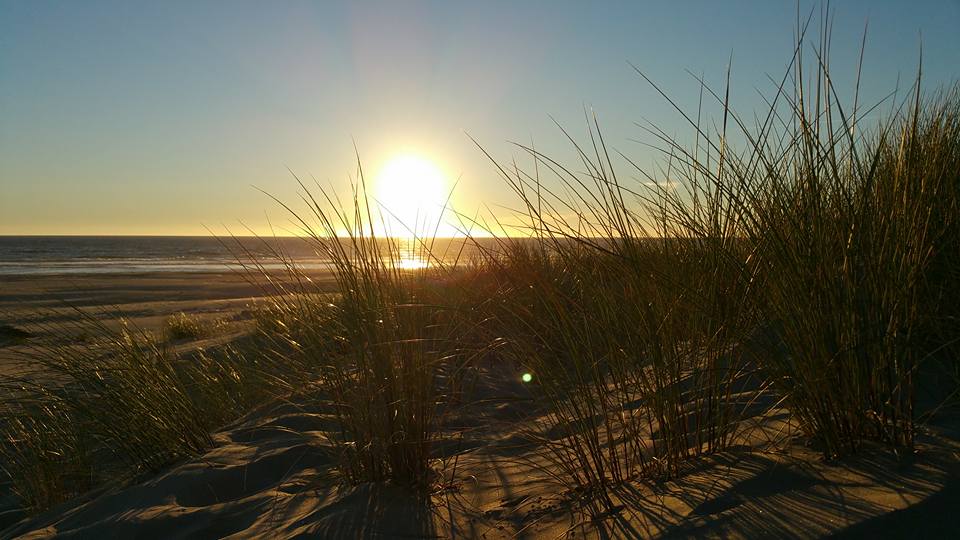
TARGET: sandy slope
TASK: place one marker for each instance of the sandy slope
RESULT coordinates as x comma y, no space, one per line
272,475
267,476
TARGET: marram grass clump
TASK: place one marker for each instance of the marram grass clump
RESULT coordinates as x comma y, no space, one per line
181,326
117,406
383,354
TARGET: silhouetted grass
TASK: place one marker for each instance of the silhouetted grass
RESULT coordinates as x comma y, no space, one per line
639,308
385,357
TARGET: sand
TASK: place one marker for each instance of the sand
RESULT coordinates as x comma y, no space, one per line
46,306
272,473
142,298
269,475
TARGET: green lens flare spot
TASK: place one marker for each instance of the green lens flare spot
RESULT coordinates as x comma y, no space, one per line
526,377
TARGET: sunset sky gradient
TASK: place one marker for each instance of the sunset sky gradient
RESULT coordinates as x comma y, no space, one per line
161,117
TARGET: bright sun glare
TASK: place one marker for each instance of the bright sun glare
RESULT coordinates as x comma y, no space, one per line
411,192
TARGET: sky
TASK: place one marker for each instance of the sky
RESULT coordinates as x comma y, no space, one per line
172,118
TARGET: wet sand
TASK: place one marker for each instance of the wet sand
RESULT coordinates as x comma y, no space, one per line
49,307
24,293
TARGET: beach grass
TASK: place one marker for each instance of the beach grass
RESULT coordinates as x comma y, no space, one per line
183,326
386,356
117,406
803,269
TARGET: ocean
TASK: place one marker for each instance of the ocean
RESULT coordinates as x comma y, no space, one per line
33,255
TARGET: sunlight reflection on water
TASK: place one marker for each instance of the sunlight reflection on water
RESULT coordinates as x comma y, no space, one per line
409,254
411,263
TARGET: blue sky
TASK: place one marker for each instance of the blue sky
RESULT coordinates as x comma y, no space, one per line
158,117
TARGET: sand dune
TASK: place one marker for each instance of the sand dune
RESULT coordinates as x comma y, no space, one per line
272,475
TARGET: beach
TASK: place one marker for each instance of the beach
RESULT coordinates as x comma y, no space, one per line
52,307
490,270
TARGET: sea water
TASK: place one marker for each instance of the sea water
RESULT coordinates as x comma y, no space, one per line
33,255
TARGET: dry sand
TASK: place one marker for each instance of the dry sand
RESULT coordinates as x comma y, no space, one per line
271,474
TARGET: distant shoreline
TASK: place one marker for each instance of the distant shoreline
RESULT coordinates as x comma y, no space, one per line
76,256
35,291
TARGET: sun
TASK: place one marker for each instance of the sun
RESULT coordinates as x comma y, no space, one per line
412,194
